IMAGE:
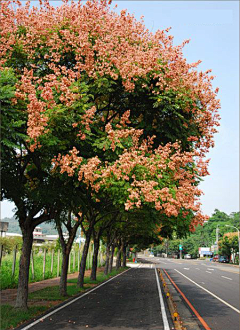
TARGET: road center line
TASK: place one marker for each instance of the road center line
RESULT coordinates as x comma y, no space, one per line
228,278
70,302
215,296
163,310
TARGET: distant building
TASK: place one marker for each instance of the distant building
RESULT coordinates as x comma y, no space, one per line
3,228
205,252
39,238
13,235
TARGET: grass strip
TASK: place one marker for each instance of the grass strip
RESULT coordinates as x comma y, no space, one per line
11,317
51,293
101,277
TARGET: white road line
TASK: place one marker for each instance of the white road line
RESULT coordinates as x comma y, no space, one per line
215,296
228,278
186,268
208,272
70,302
162,262
151,265
163,310
175,262
210,269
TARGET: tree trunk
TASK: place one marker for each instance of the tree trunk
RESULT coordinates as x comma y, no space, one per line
118,262
111,259
80,281
22,292
64,271
106,269
124,253
95,258
66,249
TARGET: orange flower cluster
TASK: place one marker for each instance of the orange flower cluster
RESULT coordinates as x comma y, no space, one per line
164,181
104,44
115,135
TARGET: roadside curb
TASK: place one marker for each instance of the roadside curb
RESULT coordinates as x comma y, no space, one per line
182,317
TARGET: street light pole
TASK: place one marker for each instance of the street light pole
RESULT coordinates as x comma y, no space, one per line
238,241
217,232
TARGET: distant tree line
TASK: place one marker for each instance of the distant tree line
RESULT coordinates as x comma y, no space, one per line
205,236
13,226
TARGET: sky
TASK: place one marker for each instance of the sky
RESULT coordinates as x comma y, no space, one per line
213,27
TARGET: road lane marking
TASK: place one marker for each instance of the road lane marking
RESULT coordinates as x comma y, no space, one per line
41,318
186,268
163,310
151,265
228,278
210,269
208,272
205,325
175,262
215,296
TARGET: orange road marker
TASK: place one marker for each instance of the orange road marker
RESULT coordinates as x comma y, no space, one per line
205,325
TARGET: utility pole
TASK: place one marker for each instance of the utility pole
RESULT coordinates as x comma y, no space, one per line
167,247
217,234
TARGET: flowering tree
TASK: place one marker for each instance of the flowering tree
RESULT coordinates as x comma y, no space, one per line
106,105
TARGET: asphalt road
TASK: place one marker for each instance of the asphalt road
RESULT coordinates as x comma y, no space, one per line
219,305
127,302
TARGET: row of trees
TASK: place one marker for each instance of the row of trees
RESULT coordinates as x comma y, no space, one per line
205,236
105,126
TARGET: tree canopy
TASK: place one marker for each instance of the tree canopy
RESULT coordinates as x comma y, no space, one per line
101,115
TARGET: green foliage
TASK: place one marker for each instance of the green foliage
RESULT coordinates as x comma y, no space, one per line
12,118
8,281
229,244
10,243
